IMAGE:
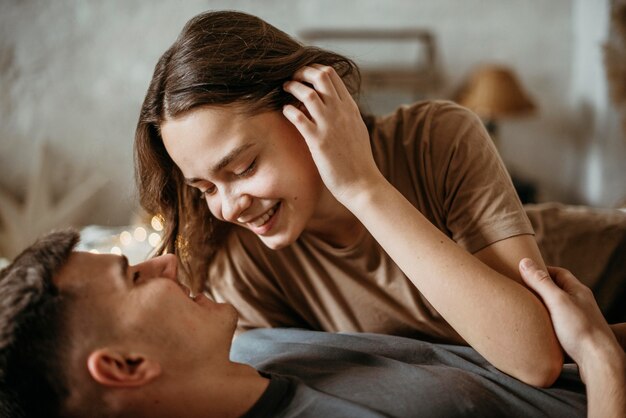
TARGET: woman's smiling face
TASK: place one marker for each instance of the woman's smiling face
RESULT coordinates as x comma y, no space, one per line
254,171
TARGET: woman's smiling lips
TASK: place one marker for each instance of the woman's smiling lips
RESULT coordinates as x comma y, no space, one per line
263,223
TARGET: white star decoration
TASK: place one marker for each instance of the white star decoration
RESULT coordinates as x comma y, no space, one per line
23,221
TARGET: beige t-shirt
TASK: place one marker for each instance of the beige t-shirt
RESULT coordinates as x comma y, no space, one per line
439,156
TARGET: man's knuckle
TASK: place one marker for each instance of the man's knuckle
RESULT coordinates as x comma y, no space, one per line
542,275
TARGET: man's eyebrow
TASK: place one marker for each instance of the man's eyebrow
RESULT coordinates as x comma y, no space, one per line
123,263
227,159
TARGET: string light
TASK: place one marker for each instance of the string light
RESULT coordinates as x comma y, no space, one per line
126,238
157,223
154,239
131,240
140,234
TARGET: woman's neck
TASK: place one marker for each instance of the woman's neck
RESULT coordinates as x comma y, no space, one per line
333,223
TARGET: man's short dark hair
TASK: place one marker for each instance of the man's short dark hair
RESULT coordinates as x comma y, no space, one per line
33,382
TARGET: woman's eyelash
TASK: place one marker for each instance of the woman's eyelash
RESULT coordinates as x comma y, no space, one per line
248,170
204,193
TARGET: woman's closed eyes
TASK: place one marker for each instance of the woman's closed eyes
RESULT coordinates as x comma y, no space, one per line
248,171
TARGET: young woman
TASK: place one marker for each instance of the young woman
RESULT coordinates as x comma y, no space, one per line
304,213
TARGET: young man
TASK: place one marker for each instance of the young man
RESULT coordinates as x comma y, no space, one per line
87,335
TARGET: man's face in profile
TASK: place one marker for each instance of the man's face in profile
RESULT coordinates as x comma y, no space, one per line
141,310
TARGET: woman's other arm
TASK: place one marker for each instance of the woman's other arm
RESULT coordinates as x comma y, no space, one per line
497,316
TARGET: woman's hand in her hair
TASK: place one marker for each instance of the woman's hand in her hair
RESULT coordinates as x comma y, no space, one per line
331,125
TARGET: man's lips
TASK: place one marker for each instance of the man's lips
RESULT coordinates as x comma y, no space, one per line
199,298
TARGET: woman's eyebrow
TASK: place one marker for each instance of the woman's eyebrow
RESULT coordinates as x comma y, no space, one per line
223,162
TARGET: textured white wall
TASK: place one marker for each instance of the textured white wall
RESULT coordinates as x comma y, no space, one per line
73,73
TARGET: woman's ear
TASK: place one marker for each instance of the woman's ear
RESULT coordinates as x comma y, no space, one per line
113,368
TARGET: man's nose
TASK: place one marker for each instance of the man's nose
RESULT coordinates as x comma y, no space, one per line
162,266
233,204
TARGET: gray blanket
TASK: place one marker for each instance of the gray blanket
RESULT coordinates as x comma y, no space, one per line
370,375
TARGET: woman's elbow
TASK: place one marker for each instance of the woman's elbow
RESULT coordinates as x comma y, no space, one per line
544,371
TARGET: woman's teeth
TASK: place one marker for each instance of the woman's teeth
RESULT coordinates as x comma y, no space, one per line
262,220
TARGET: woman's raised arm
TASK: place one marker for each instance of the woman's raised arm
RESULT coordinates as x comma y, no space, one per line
497,316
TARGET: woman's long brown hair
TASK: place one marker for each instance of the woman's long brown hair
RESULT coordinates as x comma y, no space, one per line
220,58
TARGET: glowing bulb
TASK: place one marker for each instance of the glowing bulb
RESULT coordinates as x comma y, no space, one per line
154,239
126,238
157,223
94,251
140,234
116,250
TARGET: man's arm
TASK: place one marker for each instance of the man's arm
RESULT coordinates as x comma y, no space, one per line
585,336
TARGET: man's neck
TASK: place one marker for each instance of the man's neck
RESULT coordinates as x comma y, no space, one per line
205,394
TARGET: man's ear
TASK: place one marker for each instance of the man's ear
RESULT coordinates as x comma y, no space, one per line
111,367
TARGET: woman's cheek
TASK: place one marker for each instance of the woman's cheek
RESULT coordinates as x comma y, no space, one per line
215,207
267,183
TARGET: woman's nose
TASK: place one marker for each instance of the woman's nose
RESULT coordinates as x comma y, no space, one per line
233,204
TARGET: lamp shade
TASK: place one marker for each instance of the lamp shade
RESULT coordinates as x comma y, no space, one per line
494,91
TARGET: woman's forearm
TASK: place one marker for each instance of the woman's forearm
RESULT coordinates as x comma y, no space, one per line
497,316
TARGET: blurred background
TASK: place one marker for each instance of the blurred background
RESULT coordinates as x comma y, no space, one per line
73,75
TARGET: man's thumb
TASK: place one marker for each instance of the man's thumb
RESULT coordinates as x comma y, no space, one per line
535,277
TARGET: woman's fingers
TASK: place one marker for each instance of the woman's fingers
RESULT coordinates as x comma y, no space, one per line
319,79
338,84
303,124
333,130
307,96
320,88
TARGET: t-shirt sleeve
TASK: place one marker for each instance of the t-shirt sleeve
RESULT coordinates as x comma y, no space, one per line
240,275
472,186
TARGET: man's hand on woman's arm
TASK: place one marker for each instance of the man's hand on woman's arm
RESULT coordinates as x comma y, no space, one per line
584,335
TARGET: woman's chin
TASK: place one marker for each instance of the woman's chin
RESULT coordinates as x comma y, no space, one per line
277,243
